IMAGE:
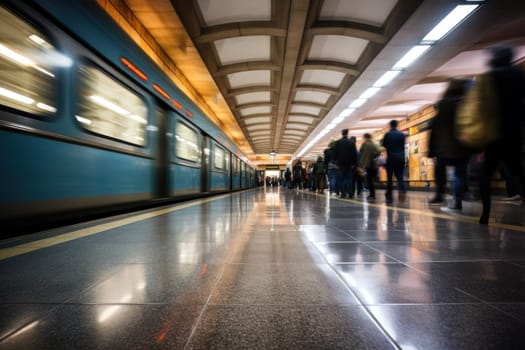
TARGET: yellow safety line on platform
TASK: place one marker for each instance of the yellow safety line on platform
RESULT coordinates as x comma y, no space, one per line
460,217
66,237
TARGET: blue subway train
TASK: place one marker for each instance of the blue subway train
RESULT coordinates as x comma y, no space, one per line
90,125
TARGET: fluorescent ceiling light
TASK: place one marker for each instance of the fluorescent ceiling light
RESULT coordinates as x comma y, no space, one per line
386,78
338,120
449,22
357,103
345,113
412,55
369,92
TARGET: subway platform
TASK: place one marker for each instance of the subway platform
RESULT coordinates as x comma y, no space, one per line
271,269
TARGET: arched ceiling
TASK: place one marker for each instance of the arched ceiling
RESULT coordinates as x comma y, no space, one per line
275,73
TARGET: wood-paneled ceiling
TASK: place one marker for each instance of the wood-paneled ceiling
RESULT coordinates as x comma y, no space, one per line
273,73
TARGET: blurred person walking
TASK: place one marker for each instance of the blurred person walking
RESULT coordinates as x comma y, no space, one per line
319,175
297,175
346,160
357,183
331,166
394,143
369,152
509,86
446,148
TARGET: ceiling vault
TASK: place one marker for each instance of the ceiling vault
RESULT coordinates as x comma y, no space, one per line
274,72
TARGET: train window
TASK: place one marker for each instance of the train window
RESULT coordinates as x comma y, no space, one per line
186,143
226,161
220,157
28,62
236,165
109,108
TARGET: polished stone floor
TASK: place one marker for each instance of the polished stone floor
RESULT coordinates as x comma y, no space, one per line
271,269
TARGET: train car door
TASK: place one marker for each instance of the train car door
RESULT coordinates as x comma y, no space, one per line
161,187
205,163
230,172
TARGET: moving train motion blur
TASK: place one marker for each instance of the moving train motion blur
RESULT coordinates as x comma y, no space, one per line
88,123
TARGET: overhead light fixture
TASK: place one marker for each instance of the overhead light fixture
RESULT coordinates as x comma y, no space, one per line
345,113
358,103
386,78
449,22
412,55
338,120
369,92
272,154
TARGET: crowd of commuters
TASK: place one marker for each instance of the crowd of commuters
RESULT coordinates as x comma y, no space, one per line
346,170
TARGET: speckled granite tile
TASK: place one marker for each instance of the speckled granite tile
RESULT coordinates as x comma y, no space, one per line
516,310
111,326
289,237
491,281
145,252
350,252
256,251
455,326
520,263
277,327
382,235
327,236
36,282
13,317
449,250
155,283
288,284
396,283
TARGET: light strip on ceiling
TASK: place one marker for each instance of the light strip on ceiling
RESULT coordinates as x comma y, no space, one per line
369,92
357,103
413,54
449,22
345,113
445,26
386,78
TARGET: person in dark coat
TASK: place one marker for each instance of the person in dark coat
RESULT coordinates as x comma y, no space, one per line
331,167
357,183
288,178
369,151
509,85
346,158
298,175
394,143
319,174
445,147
